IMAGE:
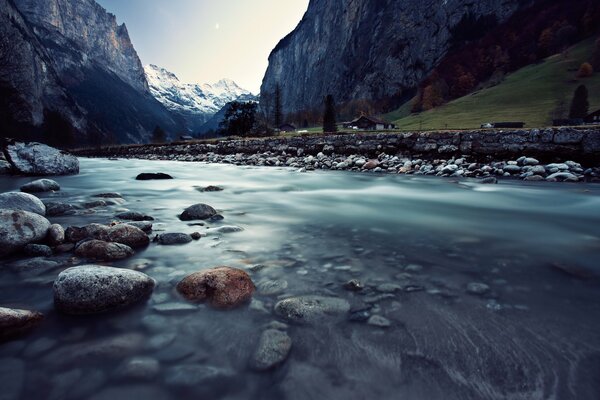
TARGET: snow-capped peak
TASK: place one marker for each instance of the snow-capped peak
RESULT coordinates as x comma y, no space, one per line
191,98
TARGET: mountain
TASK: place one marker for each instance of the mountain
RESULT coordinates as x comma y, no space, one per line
75,51
196,103
371,51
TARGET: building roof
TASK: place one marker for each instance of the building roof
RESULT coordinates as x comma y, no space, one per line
370,119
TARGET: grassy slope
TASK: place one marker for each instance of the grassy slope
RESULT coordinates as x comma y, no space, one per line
528,95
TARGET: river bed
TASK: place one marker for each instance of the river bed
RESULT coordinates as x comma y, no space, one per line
416,244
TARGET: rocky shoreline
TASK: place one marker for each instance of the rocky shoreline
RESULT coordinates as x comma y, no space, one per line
554,154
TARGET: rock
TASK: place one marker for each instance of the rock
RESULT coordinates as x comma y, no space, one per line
39,159
128,235
110,195
562,176
64,248
489,180
75,234
378,320
534,178
211,189
388,288
223,287
14,323
37,250
12,377
91,289
477,288
272,288
56,235
34,266
5,167
198,212
530,161
223,229
196,236
168,239
512,169
57,209
127,392
41,185
198,376
371,164
273,348
450,169
18,228
146,226
94,204
139,368
310,309
134,216
23,202
104,251
354,285
146,176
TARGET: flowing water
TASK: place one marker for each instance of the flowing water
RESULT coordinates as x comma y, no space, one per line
534,335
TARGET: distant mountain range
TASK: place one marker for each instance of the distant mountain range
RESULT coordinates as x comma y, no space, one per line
195,103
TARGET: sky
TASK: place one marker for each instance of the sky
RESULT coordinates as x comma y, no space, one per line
202,41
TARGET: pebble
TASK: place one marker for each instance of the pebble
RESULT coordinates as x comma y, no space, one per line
379,321
477,288
354,285
272,288
198,212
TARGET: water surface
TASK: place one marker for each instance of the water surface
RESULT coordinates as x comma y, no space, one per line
535,335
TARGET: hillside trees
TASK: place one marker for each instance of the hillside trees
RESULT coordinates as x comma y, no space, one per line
239,119
579,104
329,119
159,135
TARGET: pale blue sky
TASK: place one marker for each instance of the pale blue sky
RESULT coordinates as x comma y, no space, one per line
206,40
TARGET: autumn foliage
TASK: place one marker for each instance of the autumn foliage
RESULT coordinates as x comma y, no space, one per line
585,70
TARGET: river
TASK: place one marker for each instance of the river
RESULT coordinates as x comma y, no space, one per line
535,334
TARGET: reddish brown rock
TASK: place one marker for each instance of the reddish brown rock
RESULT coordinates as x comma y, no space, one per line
128,235
105,251
222,287
14,323
371,164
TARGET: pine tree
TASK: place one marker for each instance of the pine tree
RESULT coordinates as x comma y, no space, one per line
158,135
580,104
277,112
329,125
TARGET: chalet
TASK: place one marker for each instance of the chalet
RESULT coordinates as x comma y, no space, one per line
369,124
593,118
287,128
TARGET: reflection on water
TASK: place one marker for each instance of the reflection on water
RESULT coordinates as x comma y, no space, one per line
533,335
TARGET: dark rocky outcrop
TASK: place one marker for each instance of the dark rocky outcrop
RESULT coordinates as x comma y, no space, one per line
40,159
367,50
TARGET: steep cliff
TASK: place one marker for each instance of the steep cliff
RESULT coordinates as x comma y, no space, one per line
370,50
77,61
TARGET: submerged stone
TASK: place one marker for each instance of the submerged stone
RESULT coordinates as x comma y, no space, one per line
309,309
273,348
198,212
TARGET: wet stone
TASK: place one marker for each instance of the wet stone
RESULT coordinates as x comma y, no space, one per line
56,235
15,323
354,285
271,288
310,309
477,288
134,216
37,250
379,321
41,185
169,239
104,251
54,209
23,202
198,212
273,348
148,176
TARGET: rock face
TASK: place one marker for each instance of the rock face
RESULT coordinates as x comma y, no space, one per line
17,322
223,287
18,228
91,289
368,50
40,159
198,212
23,202
70,57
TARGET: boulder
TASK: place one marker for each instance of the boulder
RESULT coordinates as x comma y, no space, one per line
198,212
91,289
210,189
18,228
56,235
223,229
5,167
14,323
146,226
173,238
40,159
222,287
37,250
104,251
22,201
54,209
40,185
128,235
147,176
134,216
371,164
75,234
273,348
309,309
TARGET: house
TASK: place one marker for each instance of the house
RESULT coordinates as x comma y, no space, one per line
369,124
567,122
287,128
593,118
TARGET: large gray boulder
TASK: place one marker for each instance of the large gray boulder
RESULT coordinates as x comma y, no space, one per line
22,201
18,228
91,289
41,185
273,348
311,309
40,159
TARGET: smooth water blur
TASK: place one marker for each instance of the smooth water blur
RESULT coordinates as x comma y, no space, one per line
536,335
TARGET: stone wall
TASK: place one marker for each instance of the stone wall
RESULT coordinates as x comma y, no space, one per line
552,144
